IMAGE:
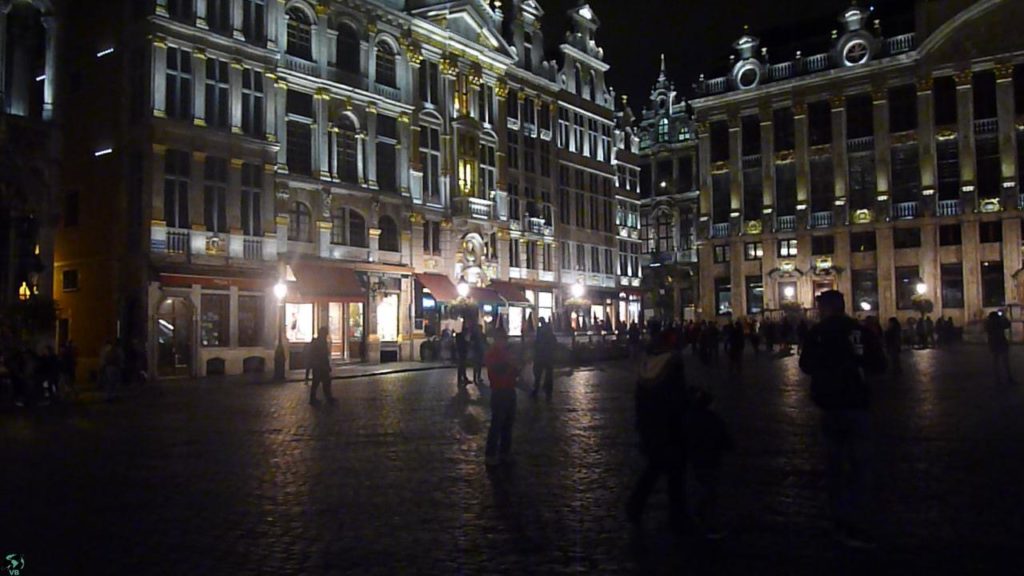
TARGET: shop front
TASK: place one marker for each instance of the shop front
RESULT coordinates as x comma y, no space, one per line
433,295
517,314
325,295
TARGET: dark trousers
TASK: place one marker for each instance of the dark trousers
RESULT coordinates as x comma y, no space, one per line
463,379
503,415
478,366
321,379
543,371
848,470
674,469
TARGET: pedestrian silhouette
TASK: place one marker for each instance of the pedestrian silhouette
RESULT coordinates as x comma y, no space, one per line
503,373
318,364
996,326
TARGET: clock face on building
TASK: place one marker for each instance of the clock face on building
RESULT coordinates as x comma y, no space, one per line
856,52
748,77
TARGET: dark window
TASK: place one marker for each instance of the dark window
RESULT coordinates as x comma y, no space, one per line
300,223
1018,88
865,290
250,320
300,34
902,108
386,74
430,160
387,154
71,208
822,245
862,180
300,156
755,294
218,94
177,165
723,296
254,21
751,135
215,320
819,116
860,121
720,197
823,184
948,160
906,238
69,280
991,231
181,10
252,194
785,188
218,16
719,141
949,235
721,253
178,88
300,104
753,193
907,278
952,285
984,95
349,50
388,234
862,242
944,95
989,166
253,116
906,173
348,155
432,237
782,122
992,284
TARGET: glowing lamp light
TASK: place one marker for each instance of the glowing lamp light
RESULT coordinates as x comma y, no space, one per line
921,288
789,291
280,291
103,152
577,290
462,289
865,306
104,52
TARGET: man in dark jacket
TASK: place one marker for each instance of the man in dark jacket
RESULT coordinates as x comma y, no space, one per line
661,402
318,361
543,359
837,354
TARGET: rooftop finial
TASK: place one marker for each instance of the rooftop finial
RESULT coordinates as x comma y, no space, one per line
662,63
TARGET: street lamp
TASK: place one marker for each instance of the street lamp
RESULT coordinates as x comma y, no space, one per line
921,288
789,292
463,289
280,291
575,304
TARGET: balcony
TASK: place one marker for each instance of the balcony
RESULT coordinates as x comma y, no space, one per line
720,230
950,207
906,210
780,71
986,126
252,248
865,144
473,207
177,241
715,85
388,92
817,63
900,44
537,226
785,223
821,219
300,65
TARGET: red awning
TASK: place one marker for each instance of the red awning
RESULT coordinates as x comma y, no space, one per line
319,280
484,296
441,288
510,293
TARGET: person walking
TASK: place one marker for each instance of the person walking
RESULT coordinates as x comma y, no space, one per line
318,363
736,341
708,439
661,402
49,373
462,357
477,350
503,372
838,354
544,346
893,344
634,340
996,326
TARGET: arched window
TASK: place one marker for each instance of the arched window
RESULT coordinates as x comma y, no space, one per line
300,34
579,81
300,223
386,65
348,156
348,48
348,228
388,234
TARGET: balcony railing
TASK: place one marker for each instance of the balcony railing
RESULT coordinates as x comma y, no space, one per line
986,126
816,63
905,210
785,223
865,144
720,230
300,65
252,248
949,207
900,44
716,85
177,241
780,71
388,92
821,219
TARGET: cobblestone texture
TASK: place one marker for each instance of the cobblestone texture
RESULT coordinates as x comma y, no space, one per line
228,478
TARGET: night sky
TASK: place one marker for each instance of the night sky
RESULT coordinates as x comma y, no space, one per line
697,35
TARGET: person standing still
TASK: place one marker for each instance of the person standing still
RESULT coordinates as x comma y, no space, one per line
996,326
68,366
462,355
503,372
478,348
318,361
838,354
543,360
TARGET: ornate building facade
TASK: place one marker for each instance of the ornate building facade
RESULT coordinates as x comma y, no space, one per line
887,167
368,155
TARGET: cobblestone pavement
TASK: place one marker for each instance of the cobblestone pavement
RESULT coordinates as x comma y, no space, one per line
236,478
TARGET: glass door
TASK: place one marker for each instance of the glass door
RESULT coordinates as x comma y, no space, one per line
336,324
355,324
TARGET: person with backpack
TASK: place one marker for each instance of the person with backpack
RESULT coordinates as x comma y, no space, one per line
838,354
661,402
708,439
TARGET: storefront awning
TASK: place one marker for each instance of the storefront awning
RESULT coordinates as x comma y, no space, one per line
510,293
441,288
318,280
485,296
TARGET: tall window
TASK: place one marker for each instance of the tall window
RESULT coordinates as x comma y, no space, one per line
252,195
782,122
823,184
989,166
595,259
218,16
181,10
785,188
944,93
432,237
666,233
348,228
578,81
992,284
787,248
430,83
581,258
300,133
755,294
563,128
663,130
387,154
564,206
388,234
952,285
547,263
218,94
819,116
907,278
485,103
176,180
862,179
860,122
215,192
348,49
514,253
902,108
488,169
300,34
723,296
300,223
385,65
430,158
348,156
529,154
254,21
906,173
513,150
948,161
178,90
250,320
253,117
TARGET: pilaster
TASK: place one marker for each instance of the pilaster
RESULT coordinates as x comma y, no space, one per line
1011,257
736,215
371,147
52,26
968,166
880,119
321,147
158,84
199,86
234,196
840,162
801,141
235,90
281,123
972,268
157,165
767,171
926,146
704,156
195,190
886,272
1007,140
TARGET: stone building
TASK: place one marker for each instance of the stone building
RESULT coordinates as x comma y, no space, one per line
368,155
886,167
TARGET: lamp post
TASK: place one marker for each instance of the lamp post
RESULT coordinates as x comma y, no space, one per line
921,288
575,303
280,291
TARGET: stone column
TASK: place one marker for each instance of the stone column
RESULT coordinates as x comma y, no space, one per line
50,84
157,165
402,152
199,86
1007,141
320,28
196,214
840,171
361,157
321,149
235,91
281,123
706,189
158,85
371,148
880,119
275,19
972,270
926,147
1011,257
737,279
767,173
886,272
801,141
268,214
234,197
965,138
736,215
